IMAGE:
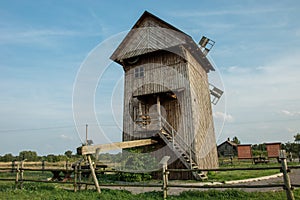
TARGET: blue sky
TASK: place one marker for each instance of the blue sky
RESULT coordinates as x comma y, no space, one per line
44,43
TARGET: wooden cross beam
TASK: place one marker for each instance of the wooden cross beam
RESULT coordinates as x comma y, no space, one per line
85,150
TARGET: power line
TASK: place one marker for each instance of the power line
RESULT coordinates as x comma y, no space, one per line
36,129
52,128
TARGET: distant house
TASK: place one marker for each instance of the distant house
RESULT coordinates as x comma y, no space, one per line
227,148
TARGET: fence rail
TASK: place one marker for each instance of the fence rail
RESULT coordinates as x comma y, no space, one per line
78,182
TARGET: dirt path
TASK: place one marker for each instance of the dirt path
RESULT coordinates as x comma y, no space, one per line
294,176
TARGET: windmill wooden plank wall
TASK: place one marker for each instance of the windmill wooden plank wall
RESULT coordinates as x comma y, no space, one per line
167,90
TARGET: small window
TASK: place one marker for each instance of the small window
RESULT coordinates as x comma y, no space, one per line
139,72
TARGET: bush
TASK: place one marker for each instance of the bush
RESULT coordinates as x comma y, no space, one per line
133,177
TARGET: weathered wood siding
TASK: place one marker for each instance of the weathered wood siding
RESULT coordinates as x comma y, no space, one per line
226,149
163,72
204,142
190,114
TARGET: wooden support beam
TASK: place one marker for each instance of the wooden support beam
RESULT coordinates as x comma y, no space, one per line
94,174
85,150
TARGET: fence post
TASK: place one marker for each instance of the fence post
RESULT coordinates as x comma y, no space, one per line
79,176
17,176
67,165
22,173
43,165
286,178
75,177
164,163
13,166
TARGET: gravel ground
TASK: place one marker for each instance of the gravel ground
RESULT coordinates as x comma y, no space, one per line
294,176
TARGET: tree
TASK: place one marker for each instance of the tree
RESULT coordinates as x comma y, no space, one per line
135,160
68,153
7,158
29,155
52,158
236,140
259,147
297,137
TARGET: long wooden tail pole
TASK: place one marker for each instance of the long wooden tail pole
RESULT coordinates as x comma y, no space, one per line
86,150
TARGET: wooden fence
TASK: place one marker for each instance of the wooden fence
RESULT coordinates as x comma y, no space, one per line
37,164
77,182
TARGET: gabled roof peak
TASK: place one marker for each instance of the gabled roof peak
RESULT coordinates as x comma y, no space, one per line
148,14
150,34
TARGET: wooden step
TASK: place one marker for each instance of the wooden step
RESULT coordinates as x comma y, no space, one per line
202,176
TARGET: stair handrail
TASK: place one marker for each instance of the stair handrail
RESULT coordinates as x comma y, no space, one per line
175,136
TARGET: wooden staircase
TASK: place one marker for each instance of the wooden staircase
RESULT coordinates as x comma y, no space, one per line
182,150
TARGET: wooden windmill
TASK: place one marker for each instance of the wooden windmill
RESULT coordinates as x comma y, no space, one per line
167,96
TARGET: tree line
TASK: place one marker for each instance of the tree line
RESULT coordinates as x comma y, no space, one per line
33,156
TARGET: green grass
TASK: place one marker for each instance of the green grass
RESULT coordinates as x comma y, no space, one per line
37,175
34,191
222,176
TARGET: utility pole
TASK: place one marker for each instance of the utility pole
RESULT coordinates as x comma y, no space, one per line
86,134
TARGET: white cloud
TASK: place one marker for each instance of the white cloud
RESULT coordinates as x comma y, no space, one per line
286,112
250,11
43,36
25,36
223,116
291,130
66,137
290,113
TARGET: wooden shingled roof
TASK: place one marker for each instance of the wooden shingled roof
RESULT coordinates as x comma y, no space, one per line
150,34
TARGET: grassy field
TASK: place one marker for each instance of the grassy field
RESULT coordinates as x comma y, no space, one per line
51,191
222,176
34,191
